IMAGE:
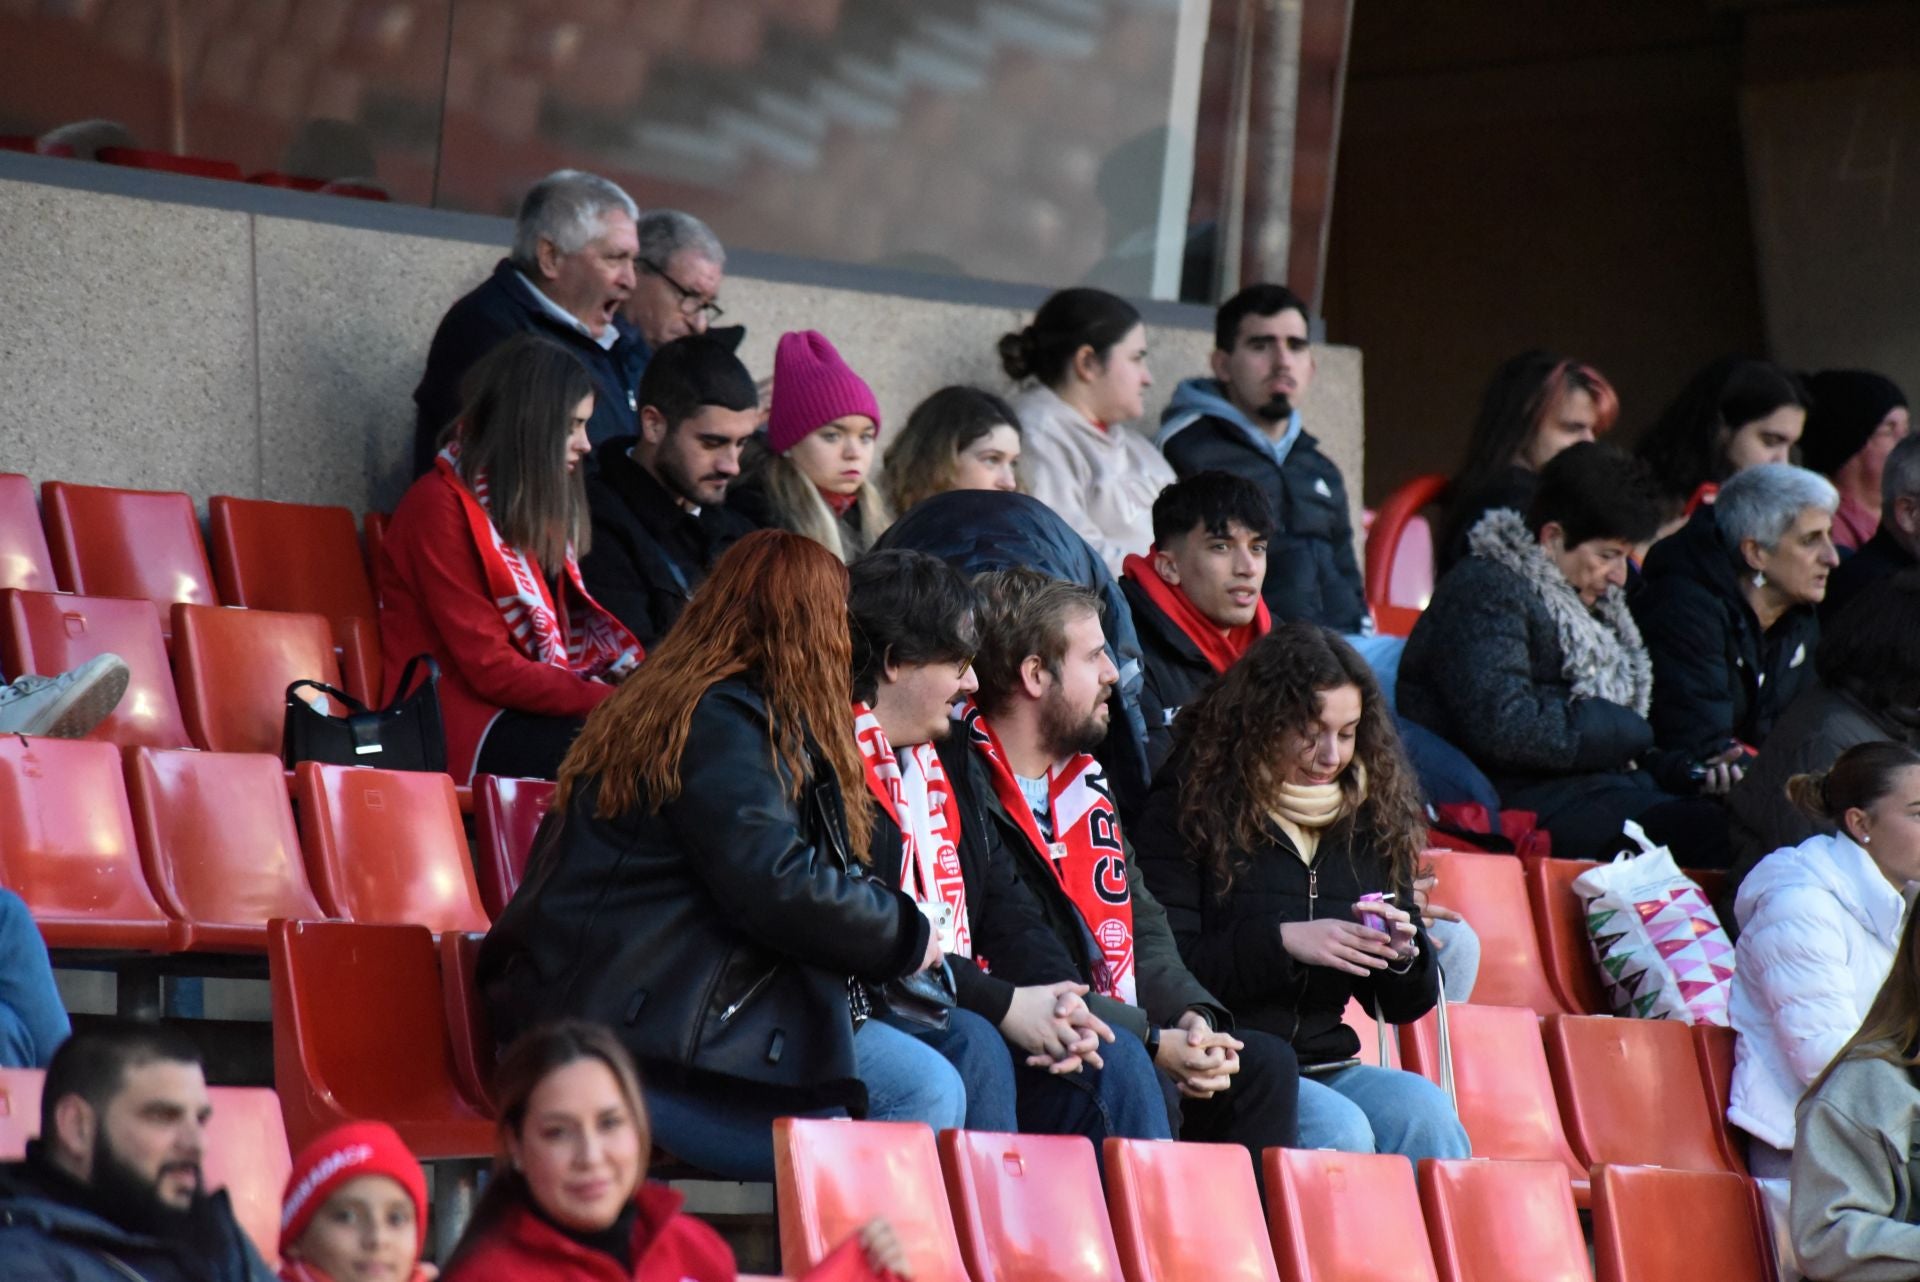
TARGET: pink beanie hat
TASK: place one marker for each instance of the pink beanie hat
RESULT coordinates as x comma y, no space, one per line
812,387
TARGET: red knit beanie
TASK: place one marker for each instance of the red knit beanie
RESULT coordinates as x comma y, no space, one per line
812,387
342,1154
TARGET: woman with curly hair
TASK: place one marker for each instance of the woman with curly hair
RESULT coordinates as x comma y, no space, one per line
1282,837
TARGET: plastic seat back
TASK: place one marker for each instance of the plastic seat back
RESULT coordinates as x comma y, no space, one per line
1605,1071
1505,1093
289,556
1186,1211
506,814
25,561
218,840
1713,1048
359,1031
830,1177
1651,1225
469,1029
1029,1207
127,543
1561,922
1345,1217
48,633
387,846
1504,1222
1490,891
1374,1049
1387,542
67,847
19,1110
247,1154
233,668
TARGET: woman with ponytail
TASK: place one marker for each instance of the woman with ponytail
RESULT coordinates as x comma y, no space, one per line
1084,359
1818,926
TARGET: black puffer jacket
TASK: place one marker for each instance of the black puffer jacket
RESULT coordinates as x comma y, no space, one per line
1230,937
1176,673
1716,676
716,936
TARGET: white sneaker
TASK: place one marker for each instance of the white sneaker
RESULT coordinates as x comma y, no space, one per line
68,706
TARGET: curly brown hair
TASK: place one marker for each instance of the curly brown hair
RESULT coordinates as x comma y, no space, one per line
1255,715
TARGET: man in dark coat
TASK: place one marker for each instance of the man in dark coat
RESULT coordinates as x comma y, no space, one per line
1895,546
571,268
658,499
1244,420
676,289
112,1190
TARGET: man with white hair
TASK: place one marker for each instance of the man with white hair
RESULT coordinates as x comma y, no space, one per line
677,287
575,248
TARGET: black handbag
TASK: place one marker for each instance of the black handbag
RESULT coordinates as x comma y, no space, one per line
407,734
921,1002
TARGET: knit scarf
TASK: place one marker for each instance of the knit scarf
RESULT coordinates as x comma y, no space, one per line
912,788
1086,853
1601,653
1305,811
575,634
839,504
1220,649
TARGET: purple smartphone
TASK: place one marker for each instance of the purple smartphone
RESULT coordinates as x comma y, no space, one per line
1373,921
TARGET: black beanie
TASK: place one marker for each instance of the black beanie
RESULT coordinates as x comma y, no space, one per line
1848,405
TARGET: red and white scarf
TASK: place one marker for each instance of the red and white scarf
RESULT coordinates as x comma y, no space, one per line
1220,649
912,788
576,633
1086,853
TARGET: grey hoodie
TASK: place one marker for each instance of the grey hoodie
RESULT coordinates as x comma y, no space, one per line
1854,1175
1198,398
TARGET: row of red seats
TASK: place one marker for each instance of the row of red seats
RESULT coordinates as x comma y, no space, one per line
194,167
169,851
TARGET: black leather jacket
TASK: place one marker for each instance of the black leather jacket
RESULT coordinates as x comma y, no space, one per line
714,936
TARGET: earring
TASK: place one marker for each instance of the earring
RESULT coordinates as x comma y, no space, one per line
1866,840
1759,578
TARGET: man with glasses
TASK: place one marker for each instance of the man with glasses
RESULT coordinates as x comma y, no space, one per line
677,289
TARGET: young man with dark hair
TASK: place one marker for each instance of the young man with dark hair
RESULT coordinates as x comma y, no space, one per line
1033,1056
112,1190
1246,420
1023,773
659,499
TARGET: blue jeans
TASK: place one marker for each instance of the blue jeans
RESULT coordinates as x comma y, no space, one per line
1457,949
721,1129
1382,654
1447,775
1364,1109
33,1022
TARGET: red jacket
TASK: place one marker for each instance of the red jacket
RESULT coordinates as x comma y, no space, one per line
667,1247
434,600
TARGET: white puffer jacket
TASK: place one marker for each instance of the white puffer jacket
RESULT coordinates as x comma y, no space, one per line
1102,481
1818,927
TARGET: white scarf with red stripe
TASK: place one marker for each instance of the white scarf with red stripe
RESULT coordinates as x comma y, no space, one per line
576,633
1086,853
912,788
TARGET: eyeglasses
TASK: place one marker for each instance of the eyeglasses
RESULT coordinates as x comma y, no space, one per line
692,303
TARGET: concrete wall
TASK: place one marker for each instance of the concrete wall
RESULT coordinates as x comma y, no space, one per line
171,333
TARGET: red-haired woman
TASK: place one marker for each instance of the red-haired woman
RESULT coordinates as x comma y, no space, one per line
479,570
1537,405
702,888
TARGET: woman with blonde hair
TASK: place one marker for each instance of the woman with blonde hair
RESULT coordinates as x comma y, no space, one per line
960,438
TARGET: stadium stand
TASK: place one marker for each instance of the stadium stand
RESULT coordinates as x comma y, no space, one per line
1490,892
1651,1225
127,543
25,561
1029,1206
1502,1222
1156,1192
1604,1072
831,1177
232,669
48,633
1345,1217
506,814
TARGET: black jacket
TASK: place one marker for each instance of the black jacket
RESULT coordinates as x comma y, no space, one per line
1312,572
1165,987
648,553
1512,487
715,936
1716,676
1176,673
1878,558
1231,937
497,309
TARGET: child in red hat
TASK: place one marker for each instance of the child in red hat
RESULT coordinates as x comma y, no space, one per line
355,1209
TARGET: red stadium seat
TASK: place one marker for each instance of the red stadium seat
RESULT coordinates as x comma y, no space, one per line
831,1176
1491,893
1605,1071
19,1110
469,1031
1382,1052
67,847
387,846
217,837
1029,1207
167,162
127,543
49,633
1651,1225
247,1155
25,561
233,667
375,526
1345,1217
1503,1087
1561,920
1186,1211
506,813
1713,1048
1384,538
359,1031
1505,1222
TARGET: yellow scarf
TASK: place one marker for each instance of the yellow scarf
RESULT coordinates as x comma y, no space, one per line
1305,811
